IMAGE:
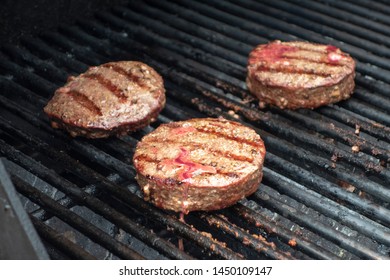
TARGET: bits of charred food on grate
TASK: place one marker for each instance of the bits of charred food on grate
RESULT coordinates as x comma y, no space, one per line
111,99
199,164
296,75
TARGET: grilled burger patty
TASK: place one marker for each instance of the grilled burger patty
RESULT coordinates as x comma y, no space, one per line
110,99
199,164
300,74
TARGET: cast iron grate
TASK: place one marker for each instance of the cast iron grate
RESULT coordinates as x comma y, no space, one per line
318,198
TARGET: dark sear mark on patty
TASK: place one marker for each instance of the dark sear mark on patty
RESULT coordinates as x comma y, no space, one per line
110,86
131,76
84,101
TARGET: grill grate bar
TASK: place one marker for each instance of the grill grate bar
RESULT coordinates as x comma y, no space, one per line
331,10
250,38
344,134
66,201
281,148
249,27
37,46
374,99
46,68
256,242
211,38
373,85
59,241
353,120
168,31
83,54
26,77
367,110
314,199
73,219
272,199
356,35
293,236
361,10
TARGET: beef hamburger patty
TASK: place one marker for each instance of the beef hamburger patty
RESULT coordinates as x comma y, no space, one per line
300,74
199,164
110,99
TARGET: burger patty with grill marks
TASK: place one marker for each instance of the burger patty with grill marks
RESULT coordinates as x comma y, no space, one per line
199,164
299,74
110,99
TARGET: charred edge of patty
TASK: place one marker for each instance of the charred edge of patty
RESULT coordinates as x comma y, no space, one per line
310,98
181,197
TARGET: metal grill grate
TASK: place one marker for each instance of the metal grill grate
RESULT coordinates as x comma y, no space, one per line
318,199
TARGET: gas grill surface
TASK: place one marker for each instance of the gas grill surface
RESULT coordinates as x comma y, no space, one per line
319,199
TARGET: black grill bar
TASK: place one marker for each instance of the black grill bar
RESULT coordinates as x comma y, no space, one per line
353,120
66,201
343,134
206,54
23,56
361,10
377,100
75,220
323,204
84,54
274,200
65,60
59,241
356,35
318,198
343,13
258,218
368,111
26,77
256,242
